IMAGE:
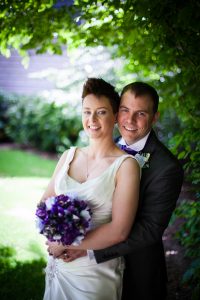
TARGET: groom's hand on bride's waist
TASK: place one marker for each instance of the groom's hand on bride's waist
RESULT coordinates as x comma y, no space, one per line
71,254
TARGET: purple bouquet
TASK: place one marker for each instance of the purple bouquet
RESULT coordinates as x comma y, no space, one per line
64,219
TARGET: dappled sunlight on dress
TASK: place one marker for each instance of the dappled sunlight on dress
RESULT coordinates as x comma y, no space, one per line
84,279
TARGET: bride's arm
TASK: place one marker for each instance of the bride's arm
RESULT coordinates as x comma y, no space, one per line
125,203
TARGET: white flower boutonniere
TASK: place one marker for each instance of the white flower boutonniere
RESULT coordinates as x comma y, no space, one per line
143,159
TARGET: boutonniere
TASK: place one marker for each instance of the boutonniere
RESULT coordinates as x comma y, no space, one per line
143,159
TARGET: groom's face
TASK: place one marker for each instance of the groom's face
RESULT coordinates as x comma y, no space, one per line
135,117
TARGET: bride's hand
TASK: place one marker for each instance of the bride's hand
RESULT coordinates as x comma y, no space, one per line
70,255
55,248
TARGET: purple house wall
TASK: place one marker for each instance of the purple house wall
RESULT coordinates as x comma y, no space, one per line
15,78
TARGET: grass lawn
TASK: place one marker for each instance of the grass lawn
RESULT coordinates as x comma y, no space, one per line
23,178
16,163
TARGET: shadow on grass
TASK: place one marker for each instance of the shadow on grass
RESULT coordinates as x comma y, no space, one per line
20,280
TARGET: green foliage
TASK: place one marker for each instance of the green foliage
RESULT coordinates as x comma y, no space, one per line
187,148
5,102
167,32
189,231
189,237
182,95
192,278
20,280
168,125
25,30
44,125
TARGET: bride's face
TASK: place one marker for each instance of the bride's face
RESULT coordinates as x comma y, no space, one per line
98,117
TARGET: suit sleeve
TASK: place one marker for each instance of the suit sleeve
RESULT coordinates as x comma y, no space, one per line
158,201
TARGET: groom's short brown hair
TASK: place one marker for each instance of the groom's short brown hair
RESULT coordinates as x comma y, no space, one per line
139,88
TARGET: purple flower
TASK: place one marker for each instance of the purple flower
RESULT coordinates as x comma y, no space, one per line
63,218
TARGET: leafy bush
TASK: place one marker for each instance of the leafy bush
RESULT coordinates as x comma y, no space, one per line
189,144
20,280
189,237
5,102
35,122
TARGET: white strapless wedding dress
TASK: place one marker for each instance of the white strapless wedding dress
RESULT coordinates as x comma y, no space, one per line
84,279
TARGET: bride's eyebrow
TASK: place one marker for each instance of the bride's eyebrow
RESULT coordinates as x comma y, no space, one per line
123,106
103,107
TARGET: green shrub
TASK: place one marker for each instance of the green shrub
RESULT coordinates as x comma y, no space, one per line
189,237
5,102
35,122
20,280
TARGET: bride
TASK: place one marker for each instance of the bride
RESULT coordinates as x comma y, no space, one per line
108,179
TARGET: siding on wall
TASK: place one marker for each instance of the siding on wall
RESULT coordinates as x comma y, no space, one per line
15,78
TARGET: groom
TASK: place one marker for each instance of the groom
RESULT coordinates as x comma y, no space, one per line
145,276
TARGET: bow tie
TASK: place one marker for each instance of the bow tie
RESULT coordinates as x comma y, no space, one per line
128,150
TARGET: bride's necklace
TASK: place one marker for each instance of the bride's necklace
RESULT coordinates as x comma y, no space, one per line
88,172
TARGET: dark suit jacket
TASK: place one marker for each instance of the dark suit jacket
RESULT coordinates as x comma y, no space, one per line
145,274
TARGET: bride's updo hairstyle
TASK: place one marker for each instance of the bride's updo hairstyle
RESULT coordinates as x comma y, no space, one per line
100,87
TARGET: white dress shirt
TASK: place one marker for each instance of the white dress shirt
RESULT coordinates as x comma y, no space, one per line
137,146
